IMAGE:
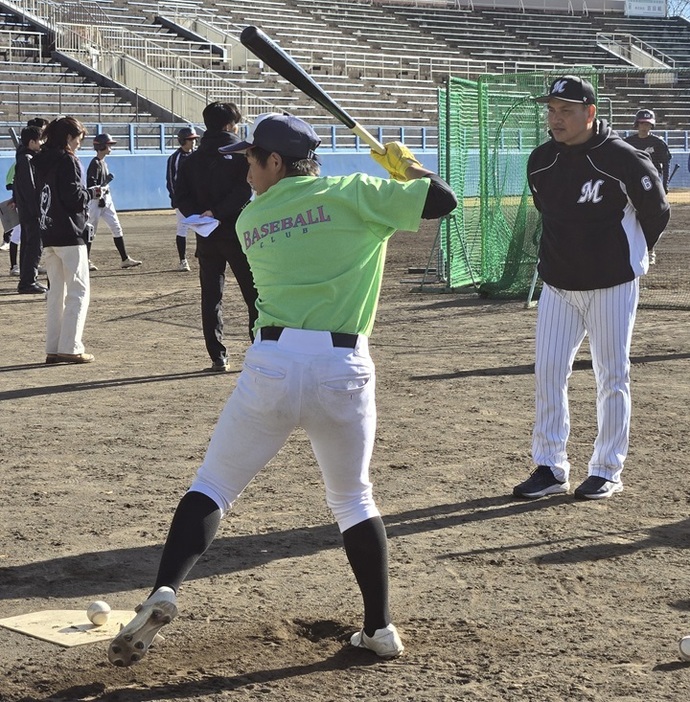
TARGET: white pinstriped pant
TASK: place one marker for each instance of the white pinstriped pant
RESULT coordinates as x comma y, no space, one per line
564,318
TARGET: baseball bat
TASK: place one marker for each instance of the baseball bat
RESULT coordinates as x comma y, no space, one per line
264,48
673,172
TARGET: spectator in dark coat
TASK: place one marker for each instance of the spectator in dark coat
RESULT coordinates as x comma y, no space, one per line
62,220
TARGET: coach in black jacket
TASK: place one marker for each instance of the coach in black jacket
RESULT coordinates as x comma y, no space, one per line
210,184
603,209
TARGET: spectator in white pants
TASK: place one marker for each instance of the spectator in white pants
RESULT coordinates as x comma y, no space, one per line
63,201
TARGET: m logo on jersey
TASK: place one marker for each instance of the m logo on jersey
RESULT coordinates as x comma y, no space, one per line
590,192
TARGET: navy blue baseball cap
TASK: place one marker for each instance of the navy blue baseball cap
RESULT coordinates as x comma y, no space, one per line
570,89
287,135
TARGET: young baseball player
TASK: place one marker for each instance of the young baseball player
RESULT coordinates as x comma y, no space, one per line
603,208
98,179
317,248
187,139
655,147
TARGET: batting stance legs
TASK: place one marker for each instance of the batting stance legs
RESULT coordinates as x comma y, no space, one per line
607,315
302,379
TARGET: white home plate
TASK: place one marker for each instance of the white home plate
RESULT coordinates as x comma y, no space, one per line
67,627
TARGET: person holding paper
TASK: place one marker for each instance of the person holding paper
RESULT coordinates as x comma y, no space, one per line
215,186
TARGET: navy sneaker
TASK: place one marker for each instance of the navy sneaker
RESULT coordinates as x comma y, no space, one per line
596,488
540,483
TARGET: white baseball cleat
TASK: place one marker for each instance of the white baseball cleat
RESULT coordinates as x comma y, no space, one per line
684,648
130,263
385,643
134,639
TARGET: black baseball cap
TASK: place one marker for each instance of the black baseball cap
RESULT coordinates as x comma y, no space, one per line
287,135
187,133
570,89
645,116
103,140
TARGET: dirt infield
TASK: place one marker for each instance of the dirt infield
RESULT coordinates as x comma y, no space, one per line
496,599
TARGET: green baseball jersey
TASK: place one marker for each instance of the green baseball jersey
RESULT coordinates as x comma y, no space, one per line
317,247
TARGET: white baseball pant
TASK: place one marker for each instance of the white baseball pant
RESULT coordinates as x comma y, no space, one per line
107,213
299,380
182,228
564,318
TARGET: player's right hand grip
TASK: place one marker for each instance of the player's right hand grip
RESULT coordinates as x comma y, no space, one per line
397,159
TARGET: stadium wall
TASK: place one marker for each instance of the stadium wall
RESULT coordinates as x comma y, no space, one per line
140,178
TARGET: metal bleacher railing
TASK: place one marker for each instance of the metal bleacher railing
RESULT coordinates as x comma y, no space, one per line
86,35
634,50
180,85
161,137
171,73
18,46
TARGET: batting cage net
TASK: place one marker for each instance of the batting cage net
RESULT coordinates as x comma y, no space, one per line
487,129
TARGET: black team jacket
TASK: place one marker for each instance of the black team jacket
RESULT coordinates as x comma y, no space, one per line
603,208
207,180
62,199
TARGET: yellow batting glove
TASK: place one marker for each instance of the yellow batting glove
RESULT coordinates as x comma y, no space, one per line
397,159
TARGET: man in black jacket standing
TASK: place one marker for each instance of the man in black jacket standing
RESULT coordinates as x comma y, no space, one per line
213,185
603,209
24,191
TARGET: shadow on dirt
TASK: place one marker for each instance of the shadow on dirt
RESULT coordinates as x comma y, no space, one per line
101,572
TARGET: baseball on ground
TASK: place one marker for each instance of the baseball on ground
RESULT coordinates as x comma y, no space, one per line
684,646
98,612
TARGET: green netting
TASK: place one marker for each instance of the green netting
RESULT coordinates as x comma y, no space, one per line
459,166
487,129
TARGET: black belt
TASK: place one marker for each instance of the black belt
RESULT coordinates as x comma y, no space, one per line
339,339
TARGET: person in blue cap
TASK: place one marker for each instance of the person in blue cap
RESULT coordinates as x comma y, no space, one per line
316,247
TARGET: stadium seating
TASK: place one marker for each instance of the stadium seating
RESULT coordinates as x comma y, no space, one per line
32,85
383,60
49,89
569,39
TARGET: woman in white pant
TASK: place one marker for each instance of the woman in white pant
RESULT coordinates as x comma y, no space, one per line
63,203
